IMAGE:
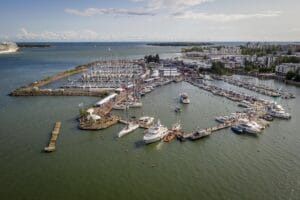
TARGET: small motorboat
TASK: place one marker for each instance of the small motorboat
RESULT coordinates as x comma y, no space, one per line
169,137
184,98
181,137
200,134
177,109
237,129
267,117
120,107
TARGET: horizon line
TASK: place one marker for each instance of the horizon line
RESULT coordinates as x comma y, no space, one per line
178,41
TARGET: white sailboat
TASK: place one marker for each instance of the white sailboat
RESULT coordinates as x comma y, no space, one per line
130,127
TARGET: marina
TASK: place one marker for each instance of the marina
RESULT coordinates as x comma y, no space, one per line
256,166
126,82
150,100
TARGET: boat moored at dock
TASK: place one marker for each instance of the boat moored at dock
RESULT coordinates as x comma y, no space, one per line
146,121
247,127
155,133
199,134
237,129
130,127
279,114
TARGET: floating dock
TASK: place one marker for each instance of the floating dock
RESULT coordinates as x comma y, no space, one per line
208,130
51,147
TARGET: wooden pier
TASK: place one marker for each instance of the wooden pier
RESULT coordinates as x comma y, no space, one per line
208,130
51,147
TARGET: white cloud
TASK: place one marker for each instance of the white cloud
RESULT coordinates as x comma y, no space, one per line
85,35
107,11
180,9
151,7
175,5
226,17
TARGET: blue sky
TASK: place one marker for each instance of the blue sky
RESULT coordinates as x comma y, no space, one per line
150,20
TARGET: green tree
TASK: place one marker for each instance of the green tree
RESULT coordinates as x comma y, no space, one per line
290,75
218,68
151,58
83,112
297,77
157,58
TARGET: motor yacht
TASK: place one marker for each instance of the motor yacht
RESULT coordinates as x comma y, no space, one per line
248,128
279,114
146,121
155,133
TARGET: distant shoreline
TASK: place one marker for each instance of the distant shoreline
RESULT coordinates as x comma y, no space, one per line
25,45
178,44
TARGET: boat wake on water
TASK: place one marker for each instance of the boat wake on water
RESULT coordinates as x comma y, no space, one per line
159,145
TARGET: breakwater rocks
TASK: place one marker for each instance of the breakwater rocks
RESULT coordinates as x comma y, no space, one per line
60,92
33,89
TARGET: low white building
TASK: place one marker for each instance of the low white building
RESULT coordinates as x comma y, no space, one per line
155,73
170,72
93,117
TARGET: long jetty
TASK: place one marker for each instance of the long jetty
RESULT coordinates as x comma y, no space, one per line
59,92
51,146
210,130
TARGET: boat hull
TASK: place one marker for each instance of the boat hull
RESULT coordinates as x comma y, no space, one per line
237,130
127,131
152,140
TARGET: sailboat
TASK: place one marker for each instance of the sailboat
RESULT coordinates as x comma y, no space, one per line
131,126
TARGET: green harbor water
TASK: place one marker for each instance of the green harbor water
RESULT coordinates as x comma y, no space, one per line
98,165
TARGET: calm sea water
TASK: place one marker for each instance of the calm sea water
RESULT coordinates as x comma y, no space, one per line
97,165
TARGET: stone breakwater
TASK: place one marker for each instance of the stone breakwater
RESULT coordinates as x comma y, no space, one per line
60,92
33,89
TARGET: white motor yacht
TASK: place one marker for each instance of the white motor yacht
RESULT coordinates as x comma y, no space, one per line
155,133
146,121
279,114
251,123
249,128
